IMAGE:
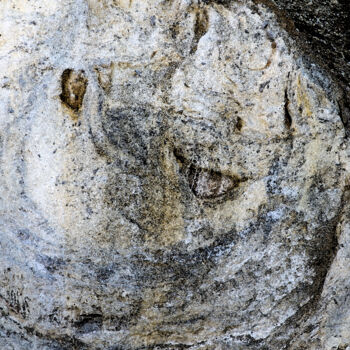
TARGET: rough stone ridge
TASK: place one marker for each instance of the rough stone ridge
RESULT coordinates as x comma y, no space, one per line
174,175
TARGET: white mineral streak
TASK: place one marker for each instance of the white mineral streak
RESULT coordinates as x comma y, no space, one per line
173,176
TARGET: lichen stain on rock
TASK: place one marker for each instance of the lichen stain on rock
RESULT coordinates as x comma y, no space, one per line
73,85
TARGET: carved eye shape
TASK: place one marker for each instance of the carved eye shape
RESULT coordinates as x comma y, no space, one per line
206,183
209,183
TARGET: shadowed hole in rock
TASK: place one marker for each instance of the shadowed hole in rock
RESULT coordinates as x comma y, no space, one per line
239,124
73,85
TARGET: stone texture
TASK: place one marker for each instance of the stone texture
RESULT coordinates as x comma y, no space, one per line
322,30
325,29
174,175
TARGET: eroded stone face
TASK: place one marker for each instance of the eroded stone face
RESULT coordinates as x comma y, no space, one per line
191,201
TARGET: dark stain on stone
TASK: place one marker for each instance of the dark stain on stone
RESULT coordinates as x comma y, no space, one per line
73,85
88,323
153,20
23,234
174,30
52,264
54,342
104,273
125,130
219,2
200,27
18,303
263,85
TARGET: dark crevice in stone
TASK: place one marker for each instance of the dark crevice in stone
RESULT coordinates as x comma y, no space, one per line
344,112
287,116
263,85
239,124
73,85
200,27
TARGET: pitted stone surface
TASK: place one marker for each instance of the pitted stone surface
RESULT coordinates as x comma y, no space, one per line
172,176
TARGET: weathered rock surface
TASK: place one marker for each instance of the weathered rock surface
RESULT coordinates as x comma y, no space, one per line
322,30
325,28
174,175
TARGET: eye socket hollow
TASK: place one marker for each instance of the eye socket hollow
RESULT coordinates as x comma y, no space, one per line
209,183
206,183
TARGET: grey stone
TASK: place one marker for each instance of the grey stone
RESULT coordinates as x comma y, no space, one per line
174,175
